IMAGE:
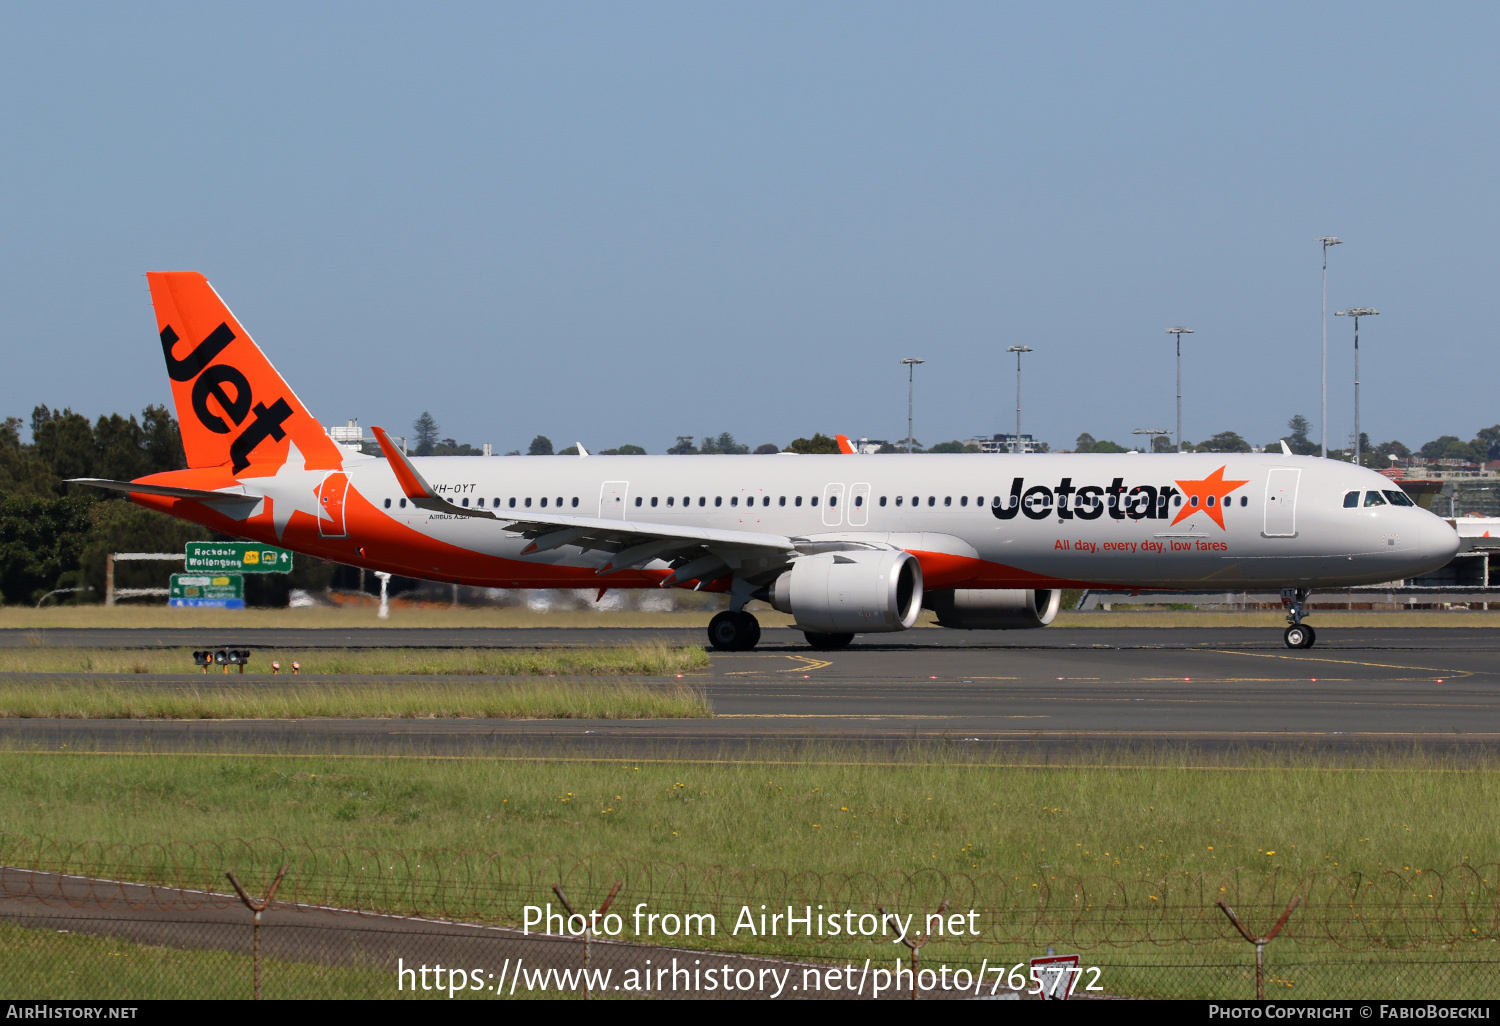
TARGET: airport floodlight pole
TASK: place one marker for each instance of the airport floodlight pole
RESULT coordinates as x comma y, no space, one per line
1327,240
1179,331
911,378
1356,312
1153,432
1015,445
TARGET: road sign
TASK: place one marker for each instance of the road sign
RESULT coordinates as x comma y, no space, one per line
237,557
211,591
1056,976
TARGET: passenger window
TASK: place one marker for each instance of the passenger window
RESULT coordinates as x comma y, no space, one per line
916,500
813,501
637,501
859,500
1191,502
833,500
687,500
718,500
882,500
797,501
653,501
947,500
1177,500
671,501
766,501
1351,500
480,503
559,502
898,499
575,502
496,503
963,500
1211,500
544,502
466,503
387,503
1372,498
979,500
734,500
1399,498
703,500
932,500
403,503
528,502
1244,500
782,501
512,502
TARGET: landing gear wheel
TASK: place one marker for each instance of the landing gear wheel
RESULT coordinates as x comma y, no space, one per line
827,642
733,632
1300,636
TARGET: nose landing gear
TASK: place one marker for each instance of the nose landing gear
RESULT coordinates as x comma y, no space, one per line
1298,634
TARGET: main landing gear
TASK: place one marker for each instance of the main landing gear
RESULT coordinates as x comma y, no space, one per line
1298,634
734,630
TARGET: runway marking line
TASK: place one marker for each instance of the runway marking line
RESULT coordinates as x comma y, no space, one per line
1346,662
871,716
808,663
615,760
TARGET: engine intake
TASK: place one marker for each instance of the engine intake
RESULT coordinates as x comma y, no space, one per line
972,609
851,592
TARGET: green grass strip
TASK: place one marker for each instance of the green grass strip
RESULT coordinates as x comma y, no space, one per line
644,660
510,699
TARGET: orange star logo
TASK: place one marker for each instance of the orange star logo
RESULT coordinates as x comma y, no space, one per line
1206,496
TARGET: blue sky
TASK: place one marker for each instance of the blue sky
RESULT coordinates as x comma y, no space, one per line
620,223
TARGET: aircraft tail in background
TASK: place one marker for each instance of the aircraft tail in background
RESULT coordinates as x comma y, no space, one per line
234,409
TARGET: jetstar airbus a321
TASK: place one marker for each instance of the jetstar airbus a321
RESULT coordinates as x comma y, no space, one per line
845,544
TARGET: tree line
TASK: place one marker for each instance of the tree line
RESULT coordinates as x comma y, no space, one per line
56,535
1483,448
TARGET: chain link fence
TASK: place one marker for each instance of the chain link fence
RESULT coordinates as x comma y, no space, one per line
137,921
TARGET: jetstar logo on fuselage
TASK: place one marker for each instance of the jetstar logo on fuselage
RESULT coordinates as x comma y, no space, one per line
1139,502
210,385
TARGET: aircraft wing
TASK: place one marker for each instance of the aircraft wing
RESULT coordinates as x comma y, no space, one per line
700,553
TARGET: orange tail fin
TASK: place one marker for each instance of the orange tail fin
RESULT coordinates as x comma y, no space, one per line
231,404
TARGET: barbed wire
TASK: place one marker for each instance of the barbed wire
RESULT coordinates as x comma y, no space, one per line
1391,910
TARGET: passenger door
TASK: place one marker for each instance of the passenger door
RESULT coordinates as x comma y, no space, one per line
612,500
1281,502
331,501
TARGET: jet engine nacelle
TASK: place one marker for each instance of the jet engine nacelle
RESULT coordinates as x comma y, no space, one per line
971,609
851,592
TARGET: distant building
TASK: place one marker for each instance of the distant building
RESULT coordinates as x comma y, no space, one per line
1003,442
869,445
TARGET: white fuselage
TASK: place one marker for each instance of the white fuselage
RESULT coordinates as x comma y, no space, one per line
1061,518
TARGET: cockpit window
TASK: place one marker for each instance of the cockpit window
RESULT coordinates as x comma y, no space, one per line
1399,498
1372,498
1351,500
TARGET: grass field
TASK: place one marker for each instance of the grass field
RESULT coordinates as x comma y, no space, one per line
812,810
161,616
818,814
648,659
508,699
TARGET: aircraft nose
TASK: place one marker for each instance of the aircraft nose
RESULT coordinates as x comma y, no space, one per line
1435,539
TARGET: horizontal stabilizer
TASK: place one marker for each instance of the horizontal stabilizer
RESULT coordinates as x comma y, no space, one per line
171,491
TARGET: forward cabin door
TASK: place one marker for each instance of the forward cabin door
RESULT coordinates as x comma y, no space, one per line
1281,502
612,500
